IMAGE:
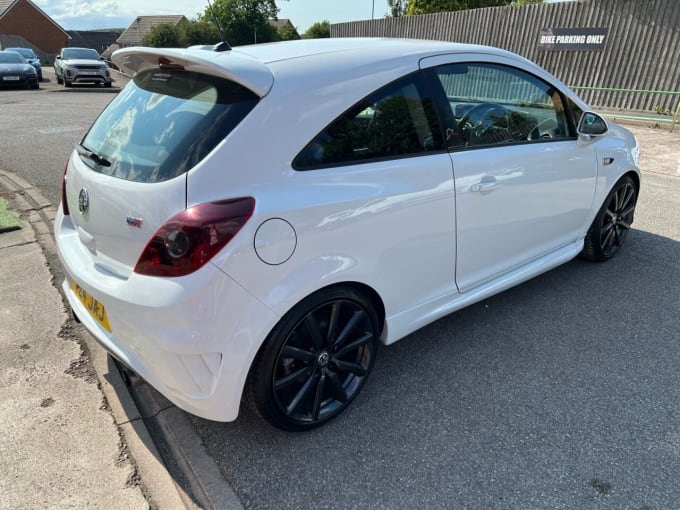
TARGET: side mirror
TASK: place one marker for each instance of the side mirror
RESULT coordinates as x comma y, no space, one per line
591,124
58,57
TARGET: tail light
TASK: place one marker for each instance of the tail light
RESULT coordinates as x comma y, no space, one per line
64,203
192,237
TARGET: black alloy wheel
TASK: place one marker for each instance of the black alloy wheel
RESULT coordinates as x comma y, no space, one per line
612,223
315,361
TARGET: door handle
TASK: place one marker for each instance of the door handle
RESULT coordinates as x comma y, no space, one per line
486,184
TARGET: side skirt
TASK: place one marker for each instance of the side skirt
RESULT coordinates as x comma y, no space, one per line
399,325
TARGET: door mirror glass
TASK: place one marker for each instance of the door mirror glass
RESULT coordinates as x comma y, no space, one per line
592,124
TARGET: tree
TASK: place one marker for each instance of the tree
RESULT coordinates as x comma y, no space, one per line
432,6
245,21
288,33
164,35
200,32
186,33
318,30
397,7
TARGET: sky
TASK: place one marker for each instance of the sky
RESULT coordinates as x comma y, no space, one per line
96,14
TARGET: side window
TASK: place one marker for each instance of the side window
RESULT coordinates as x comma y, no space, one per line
397,120
494,104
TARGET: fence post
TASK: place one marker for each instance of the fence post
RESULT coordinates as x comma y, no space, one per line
675,116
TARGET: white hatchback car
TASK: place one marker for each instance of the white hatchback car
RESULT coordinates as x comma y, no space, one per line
257,221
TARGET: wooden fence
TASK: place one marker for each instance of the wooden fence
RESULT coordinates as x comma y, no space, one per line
642,48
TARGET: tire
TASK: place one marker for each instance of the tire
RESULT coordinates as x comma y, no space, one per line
315,361
107,84
59,80
67,84
612,223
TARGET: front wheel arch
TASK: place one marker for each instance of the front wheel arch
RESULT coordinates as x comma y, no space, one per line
636,180
613,220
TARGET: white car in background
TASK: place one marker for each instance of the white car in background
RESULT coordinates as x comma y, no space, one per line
81,65
257,221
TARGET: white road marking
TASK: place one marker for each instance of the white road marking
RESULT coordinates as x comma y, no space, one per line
60,129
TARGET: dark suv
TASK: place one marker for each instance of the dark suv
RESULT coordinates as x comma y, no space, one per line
81,65
30,57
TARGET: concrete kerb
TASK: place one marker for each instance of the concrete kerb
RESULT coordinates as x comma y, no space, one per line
201,474
39,214
165,493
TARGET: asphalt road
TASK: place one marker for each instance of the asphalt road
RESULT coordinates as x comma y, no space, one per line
561,393
39,128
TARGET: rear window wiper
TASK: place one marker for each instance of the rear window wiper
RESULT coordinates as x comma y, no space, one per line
87,153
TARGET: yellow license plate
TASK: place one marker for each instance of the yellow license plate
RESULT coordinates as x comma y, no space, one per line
93,306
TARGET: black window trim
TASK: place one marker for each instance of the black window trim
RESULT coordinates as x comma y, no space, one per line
434,122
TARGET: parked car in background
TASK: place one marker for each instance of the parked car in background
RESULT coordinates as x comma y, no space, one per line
16,72
81,65
30,57
258,221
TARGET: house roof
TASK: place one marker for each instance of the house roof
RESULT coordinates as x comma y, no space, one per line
277,23
6,6
95,39
142,25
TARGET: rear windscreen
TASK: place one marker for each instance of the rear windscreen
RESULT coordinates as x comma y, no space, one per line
163,123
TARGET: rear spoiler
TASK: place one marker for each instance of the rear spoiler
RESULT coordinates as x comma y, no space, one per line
232,65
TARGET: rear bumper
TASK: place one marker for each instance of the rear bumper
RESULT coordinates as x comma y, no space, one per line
192,338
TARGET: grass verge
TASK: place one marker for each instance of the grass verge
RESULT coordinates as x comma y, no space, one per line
8,221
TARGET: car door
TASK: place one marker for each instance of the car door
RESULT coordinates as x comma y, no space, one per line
381,177
524,183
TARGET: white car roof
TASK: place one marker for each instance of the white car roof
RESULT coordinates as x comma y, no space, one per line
369,48
252,66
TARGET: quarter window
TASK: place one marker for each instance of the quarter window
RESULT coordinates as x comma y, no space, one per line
395,121
493,104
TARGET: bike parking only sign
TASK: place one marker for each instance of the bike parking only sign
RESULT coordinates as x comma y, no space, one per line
572,39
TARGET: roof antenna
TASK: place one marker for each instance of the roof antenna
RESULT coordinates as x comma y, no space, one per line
223,45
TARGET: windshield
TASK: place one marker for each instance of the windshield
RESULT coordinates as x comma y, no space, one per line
25,52
79,53
163,123
10,57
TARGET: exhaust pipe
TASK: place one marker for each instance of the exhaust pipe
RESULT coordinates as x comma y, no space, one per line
130,378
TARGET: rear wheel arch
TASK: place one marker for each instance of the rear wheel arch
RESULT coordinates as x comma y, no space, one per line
362,288
266,363
370,294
